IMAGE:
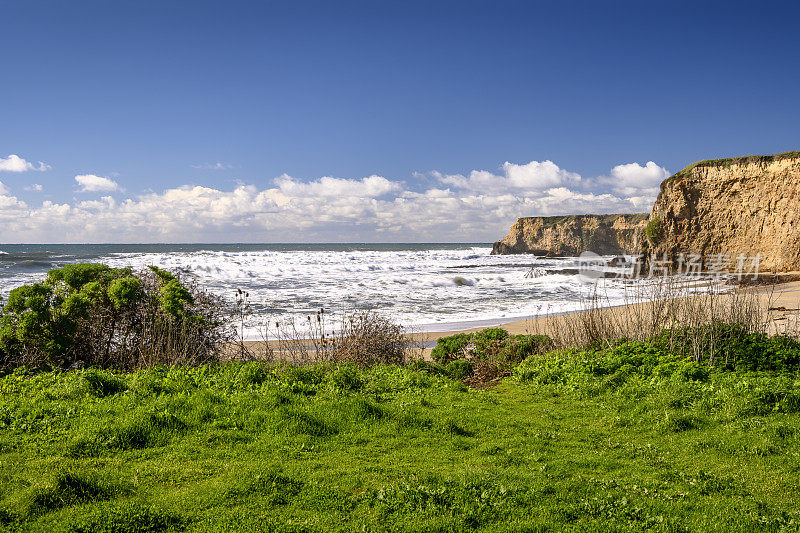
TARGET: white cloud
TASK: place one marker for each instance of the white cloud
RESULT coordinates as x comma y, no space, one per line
14,163
3,189
35,187
478,206
370,187
634,179
533,176
93,183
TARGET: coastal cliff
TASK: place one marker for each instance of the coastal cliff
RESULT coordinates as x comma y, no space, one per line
572,234
747,205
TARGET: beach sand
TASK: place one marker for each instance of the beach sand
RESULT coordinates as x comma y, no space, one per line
779,303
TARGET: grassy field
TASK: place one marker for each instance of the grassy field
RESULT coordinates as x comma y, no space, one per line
621,440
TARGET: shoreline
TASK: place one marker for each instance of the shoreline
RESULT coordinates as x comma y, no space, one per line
780,303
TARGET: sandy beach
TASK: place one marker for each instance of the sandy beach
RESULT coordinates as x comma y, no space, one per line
778,303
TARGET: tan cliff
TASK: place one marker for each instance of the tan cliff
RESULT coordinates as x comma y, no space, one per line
747,205
572,234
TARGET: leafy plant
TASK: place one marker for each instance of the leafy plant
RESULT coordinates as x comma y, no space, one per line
89,314
653,231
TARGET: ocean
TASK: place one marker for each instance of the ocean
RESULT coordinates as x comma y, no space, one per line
425,287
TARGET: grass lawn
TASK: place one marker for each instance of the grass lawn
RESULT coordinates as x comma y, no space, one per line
243,447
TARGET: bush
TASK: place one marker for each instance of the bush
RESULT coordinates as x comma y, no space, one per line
653,231
451,348
486,339
368,339
459,369
89,314
487,354
732,347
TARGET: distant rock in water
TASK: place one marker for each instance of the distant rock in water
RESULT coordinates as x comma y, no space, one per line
746,205
571,235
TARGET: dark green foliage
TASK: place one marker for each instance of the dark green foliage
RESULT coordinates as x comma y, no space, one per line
518,347
175,298
459,369
93,315
484,355
484,340
654,231
35,320
449,348
76,276
732,347
123,292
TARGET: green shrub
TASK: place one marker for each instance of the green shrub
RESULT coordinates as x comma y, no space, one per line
732,347
421,365
653,231
89,314
450,348
485,355
459,369
487,338
519,347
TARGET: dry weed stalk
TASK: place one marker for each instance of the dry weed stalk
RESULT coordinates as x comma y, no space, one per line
667,306
364,338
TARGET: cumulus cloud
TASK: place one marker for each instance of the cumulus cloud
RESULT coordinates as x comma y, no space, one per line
35,187
93,183
476,206
370,187
634,179
4,189
14,163
533,176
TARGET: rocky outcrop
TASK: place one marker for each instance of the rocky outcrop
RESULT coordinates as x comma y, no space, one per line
572,234
746,205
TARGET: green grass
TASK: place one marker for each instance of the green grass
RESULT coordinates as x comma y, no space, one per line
627,440
727,162
603,219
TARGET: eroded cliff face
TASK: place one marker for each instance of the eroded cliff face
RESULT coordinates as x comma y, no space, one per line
572,234
748,205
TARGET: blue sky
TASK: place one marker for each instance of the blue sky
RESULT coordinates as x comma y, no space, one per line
167,109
